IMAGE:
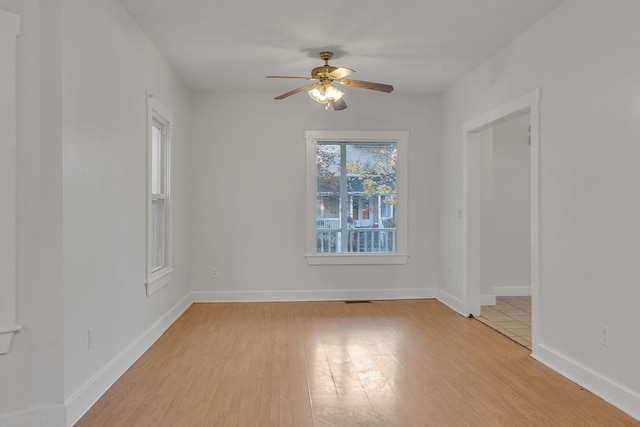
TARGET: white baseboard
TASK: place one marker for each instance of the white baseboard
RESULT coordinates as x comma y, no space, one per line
452,302
487,300
28,418
512,291
619,396
314,295
92,390
49,416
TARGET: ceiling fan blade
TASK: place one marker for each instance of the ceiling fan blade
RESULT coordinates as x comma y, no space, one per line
339,104
289,77
339,73
367,85
293,92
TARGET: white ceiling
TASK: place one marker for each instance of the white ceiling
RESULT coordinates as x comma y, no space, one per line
418,46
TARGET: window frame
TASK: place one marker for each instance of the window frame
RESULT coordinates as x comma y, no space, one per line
401,139
161,277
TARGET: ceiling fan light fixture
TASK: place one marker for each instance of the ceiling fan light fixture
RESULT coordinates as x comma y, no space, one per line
325,93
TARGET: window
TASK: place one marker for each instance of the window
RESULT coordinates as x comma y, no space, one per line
158,193
356,197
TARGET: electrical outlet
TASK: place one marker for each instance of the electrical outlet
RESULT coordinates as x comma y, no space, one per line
214,272
92,338
604,335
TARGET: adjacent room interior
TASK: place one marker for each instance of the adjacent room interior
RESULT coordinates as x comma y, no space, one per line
503,174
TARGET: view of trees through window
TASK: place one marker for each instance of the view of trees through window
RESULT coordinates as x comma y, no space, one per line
356,197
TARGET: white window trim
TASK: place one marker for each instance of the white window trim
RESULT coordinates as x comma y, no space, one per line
156,280
401,138
9,31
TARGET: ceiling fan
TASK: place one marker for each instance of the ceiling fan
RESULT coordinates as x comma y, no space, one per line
322,89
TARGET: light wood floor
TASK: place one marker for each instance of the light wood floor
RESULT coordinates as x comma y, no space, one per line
389,363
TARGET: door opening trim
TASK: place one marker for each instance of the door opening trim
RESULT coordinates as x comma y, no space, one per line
528,103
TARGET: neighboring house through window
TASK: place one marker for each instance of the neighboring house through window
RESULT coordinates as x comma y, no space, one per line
356,201
158,196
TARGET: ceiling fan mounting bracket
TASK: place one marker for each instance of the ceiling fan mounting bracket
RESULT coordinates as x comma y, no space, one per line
326,56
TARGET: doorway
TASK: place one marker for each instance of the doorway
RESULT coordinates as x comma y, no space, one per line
477,266
505,265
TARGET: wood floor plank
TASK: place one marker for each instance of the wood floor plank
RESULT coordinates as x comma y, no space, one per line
388,363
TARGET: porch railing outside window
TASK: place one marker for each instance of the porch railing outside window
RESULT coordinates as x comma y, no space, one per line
358,240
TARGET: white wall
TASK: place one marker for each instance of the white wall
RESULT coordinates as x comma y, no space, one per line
486,229
108,64
19,357
511,237
585,57
31,374
248,211
503,165
84,67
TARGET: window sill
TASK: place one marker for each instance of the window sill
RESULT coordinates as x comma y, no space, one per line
357,259
159,281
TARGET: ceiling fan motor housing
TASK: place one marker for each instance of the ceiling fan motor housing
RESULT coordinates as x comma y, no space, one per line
322,72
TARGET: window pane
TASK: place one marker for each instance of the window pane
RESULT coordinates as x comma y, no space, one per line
328,161
157,158
158,259
355,210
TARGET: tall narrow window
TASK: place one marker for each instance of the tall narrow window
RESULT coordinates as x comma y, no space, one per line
158,209
358,184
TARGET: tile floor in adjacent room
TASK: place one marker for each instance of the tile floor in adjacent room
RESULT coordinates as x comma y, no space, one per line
511,316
